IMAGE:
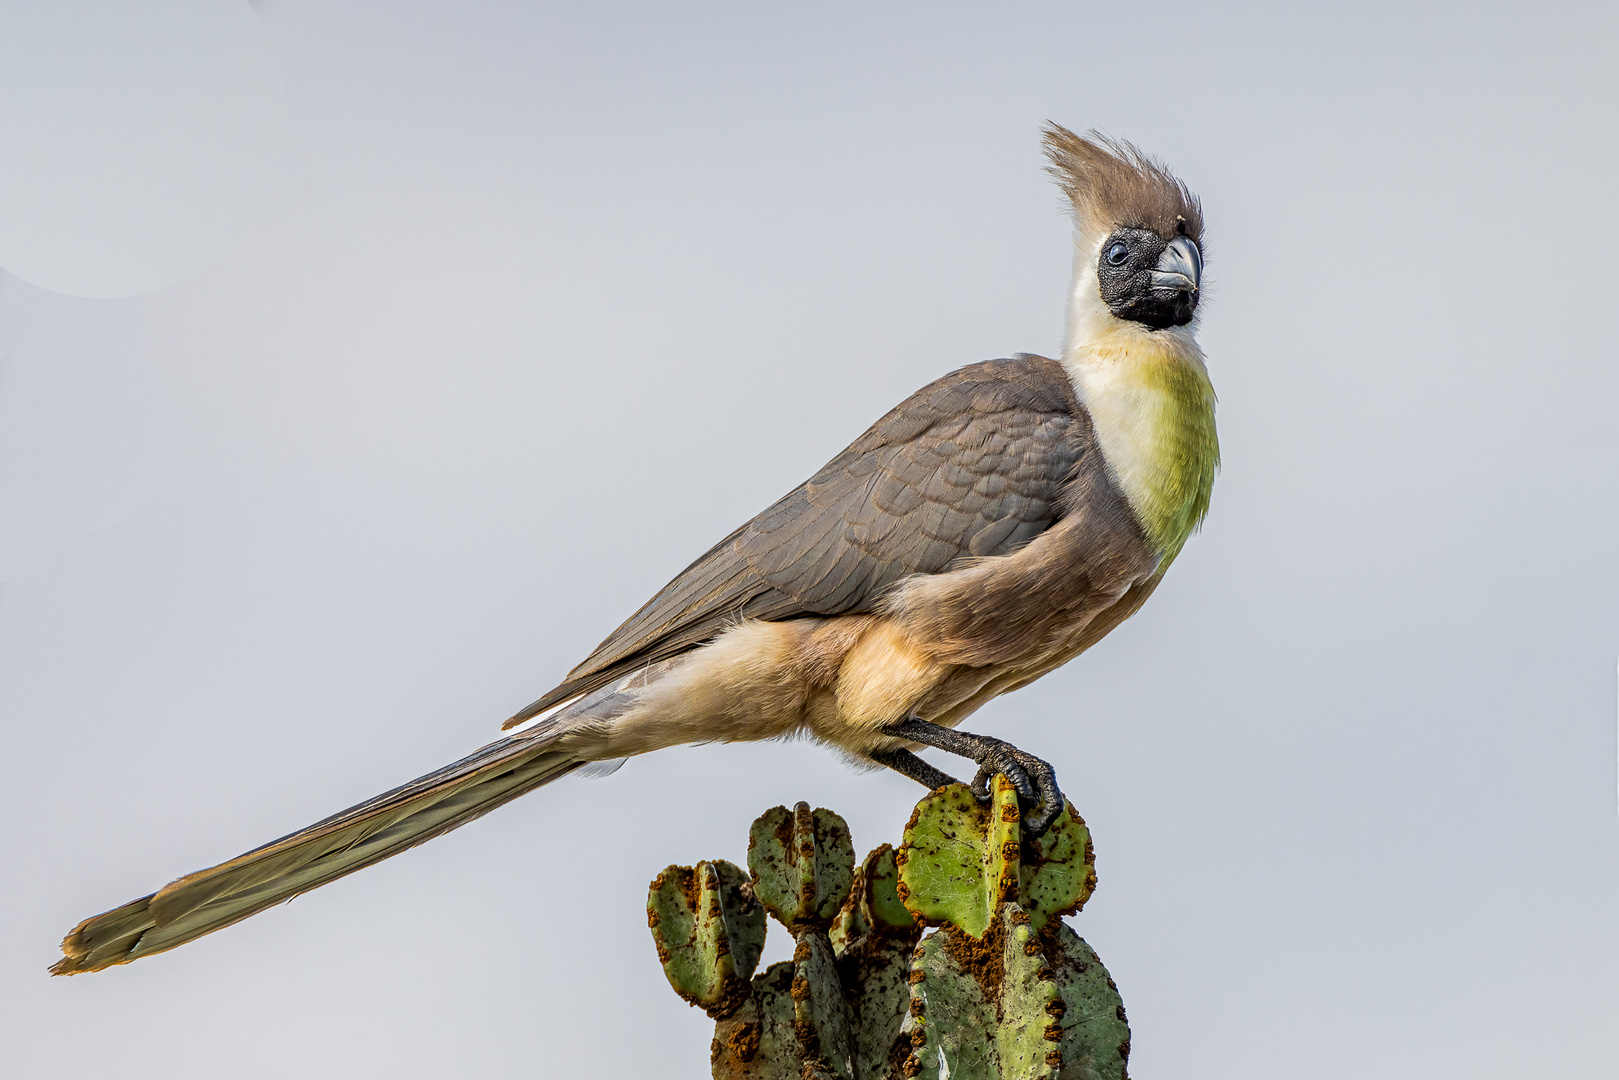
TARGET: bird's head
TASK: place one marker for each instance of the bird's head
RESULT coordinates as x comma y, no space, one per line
1138,233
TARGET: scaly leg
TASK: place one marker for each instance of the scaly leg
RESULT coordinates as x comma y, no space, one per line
908,764
1034,779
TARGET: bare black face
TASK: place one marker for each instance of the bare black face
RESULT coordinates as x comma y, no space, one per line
1150,280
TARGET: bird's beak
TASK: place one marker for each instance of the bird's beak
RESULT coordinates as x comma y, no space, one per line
1180,267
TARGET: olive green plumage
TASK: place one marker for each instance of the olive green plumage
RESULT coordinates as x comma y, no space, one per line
1172,509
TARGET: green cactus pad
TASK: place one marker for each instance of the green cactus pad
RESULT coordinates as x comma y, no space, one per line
1058,873
1028,1037
952,1020
709,932
985,1009
759,1042
1095,1034
873,936
820,1014
880,893
874,903
802,864
945,861
962,859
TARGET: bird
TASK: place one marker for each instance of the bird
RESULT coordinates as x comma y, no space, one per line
991,527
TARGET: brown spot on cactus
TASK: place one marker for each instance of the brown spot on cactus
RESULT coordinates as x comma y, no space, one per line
979,958
899,1054
744,1042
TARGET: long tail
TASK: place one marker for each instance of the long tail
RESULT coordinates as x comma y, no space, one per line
210,899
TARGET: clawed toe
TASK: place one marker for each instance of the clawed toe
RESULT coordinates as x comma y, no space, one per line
1004,759
1034,779
980,785
1013,772
1038,818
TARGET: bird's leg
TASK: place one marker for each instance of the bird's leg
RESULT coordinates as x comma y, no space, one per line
908,764
1034,779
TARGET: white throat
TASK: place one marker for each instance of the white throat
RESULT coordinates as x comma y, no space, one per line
1117,368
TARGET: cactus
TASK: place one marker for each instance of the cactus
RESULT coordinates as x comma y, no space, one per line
874,935
802,864
1002,988
709,931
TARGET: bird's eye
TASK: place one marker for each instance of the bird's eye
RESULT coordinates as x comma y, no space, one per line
1117,254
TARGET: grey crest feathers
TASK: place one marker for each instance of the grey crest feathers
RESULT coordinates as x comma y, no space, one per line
1112,183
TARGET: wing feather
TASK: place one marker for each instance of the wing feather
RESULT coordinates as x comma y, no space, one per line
972,465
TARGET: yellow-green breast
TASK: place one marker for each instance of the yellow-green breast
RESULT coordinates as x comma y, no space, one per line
1152,406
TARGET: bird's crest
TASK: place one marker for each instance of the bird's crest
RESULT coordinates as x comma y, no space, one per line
1112,183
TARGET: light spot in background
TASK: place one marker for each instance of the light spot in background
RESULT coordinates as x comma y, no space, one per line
139,139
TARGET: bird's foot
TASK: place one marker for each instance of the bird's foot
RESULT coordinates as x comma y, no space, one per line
1034,778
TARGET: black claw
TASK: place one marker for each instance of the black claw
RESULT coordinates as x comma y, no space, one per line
1040,816
1034,779
1004,760
981,782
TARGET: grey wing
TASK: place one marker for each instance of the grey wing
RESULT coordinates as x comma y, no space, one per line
971,465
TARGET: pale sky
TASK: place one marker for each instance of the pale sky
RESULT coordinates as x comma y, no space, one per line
496,315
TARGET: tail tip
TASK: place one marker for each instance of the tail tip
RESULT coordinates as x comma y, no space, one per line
73,953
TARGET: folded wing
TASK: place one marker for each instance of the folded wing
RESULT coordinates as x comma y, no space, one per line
971,465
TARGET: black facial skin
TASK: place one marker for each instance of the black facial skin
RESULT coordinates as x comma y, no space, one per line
1126,279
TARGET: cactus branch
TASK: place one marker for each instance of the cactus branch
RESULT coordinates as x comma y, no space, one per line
1002,989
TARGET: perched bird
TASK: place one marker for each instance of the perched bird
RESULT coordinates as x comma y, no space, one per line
990,528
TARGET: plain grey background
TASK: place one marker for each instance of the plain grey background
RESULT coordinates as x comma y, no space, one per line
548,297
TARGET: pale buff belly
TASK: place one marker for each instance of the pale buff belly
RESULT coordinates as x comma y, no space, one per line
841,680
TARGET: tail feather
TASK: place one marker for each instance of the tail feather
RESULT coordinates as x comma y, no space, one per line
211,899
